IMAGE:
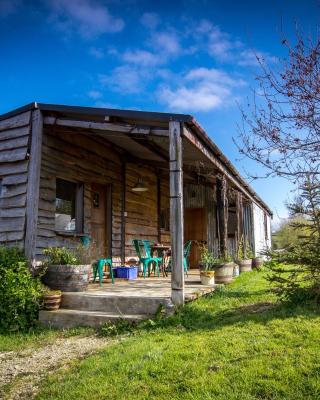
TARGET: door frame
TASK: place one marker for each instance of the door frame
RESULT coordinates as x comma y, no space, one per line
108,215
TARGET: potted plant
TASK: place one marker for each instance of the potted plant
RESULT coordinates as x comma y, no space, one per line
244,256
66,270
52,300
257,262
223,268
207,263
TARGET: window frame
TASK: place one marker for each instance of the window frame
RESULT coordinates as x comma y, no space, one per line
79,207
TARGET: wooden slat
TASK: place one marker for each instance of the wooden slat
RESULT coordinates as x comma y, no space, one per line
12,212
15,224
13,202
14,134
13,155
15,122
13,190
13,168
33,186
15,179
14,143
11,236
176,213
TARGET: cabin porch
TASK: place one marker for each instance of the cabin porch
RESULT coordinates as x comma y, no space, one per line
132,301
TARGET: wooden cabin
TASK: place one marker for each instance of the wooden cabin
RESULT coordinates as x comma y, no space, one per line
118,175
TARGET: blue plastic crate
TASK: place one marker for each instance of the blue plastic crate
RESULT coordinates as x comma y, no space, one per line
127,272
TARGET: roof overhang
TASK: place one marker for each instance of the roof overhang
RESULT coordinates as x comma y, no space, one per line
132,125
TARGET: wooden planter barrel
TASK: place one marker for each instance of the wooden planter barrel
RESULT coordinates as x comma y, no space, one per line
67,278
245,266
207,277
51,302
257,262
223,273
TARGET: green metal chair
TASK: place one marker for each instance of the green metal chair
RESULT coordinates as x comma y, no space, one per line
186,257
100,264
98,269
143,250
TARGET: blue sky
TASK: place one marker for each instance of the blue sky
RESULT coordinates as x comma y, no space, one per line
189,56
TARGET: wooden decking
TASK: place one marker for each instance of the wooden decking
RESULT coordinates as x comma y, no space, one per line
130,300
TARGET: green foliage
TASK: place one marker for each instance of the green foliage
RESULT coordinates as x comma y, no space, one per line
209,261
20,292
237,343
116,328
295,270
61,256
244,250
291,232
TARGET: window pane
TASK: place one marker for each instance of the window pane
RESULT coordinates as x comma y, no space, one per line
65,205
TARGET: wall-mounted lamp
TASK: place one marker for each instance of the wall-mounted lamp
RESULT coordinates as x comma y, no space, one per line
140,186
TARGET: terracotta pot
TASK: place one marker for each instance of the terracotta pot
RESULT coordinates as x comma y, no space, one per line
224,272
257,262
67,278
52,301
207,278
245,266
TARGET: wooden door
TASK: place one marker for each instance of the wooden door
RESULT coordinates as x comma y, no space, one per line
99,219
195,228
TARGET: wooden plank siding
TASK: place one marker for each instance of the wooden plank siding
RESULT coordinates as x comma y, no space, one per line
14,148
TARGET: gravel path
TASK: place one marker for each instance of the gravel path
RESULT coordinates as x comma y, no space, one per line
25,369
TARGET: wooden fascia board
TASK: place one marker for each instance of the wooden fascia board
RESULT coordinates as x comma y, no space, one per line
107,127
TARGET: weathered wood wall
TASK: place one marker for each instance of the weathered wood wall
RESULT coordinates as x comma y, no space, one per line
83,159
14,148
89,160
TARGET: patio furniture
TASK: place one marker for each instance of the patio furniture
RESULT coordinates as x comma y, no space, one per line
143,250
186,256
100,264
163,252
98,269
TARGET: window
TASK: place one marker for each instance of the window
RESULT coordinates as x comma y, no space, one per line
165,219
69,206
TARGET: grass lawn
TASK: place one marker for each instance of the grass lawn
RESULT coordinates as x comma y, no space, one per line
235,344
37,338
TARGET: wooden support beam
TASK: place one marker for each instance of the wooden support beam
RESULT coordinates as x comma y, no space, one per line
159,205
176,213
123,210
239,219
222,215
107,126
33,186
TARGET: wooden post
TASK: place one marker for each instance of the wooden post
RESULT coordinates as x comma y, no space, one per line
222,211
159,205
33,187
123,210
176,213
239,216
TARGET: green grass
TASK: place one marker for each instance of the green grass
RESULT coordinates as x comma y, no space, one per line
235,344
37,337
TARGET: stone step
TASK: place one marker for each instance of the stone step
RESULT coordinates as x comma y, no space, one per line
131,305
68,318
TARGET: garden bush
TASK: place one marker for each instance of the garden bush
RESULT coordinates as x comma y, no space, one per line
20,292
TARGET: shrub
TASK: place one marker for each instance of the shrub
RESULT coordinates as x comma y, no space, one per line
63,256
20,292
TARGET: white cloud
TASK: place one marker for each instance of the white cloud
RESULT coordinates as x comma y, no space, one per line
202,89
8,7
166,42
150,20
88,17
126,79
94,94
142,57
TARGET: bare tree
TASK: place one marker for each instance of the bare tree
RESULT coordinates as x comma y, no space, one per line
281,126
